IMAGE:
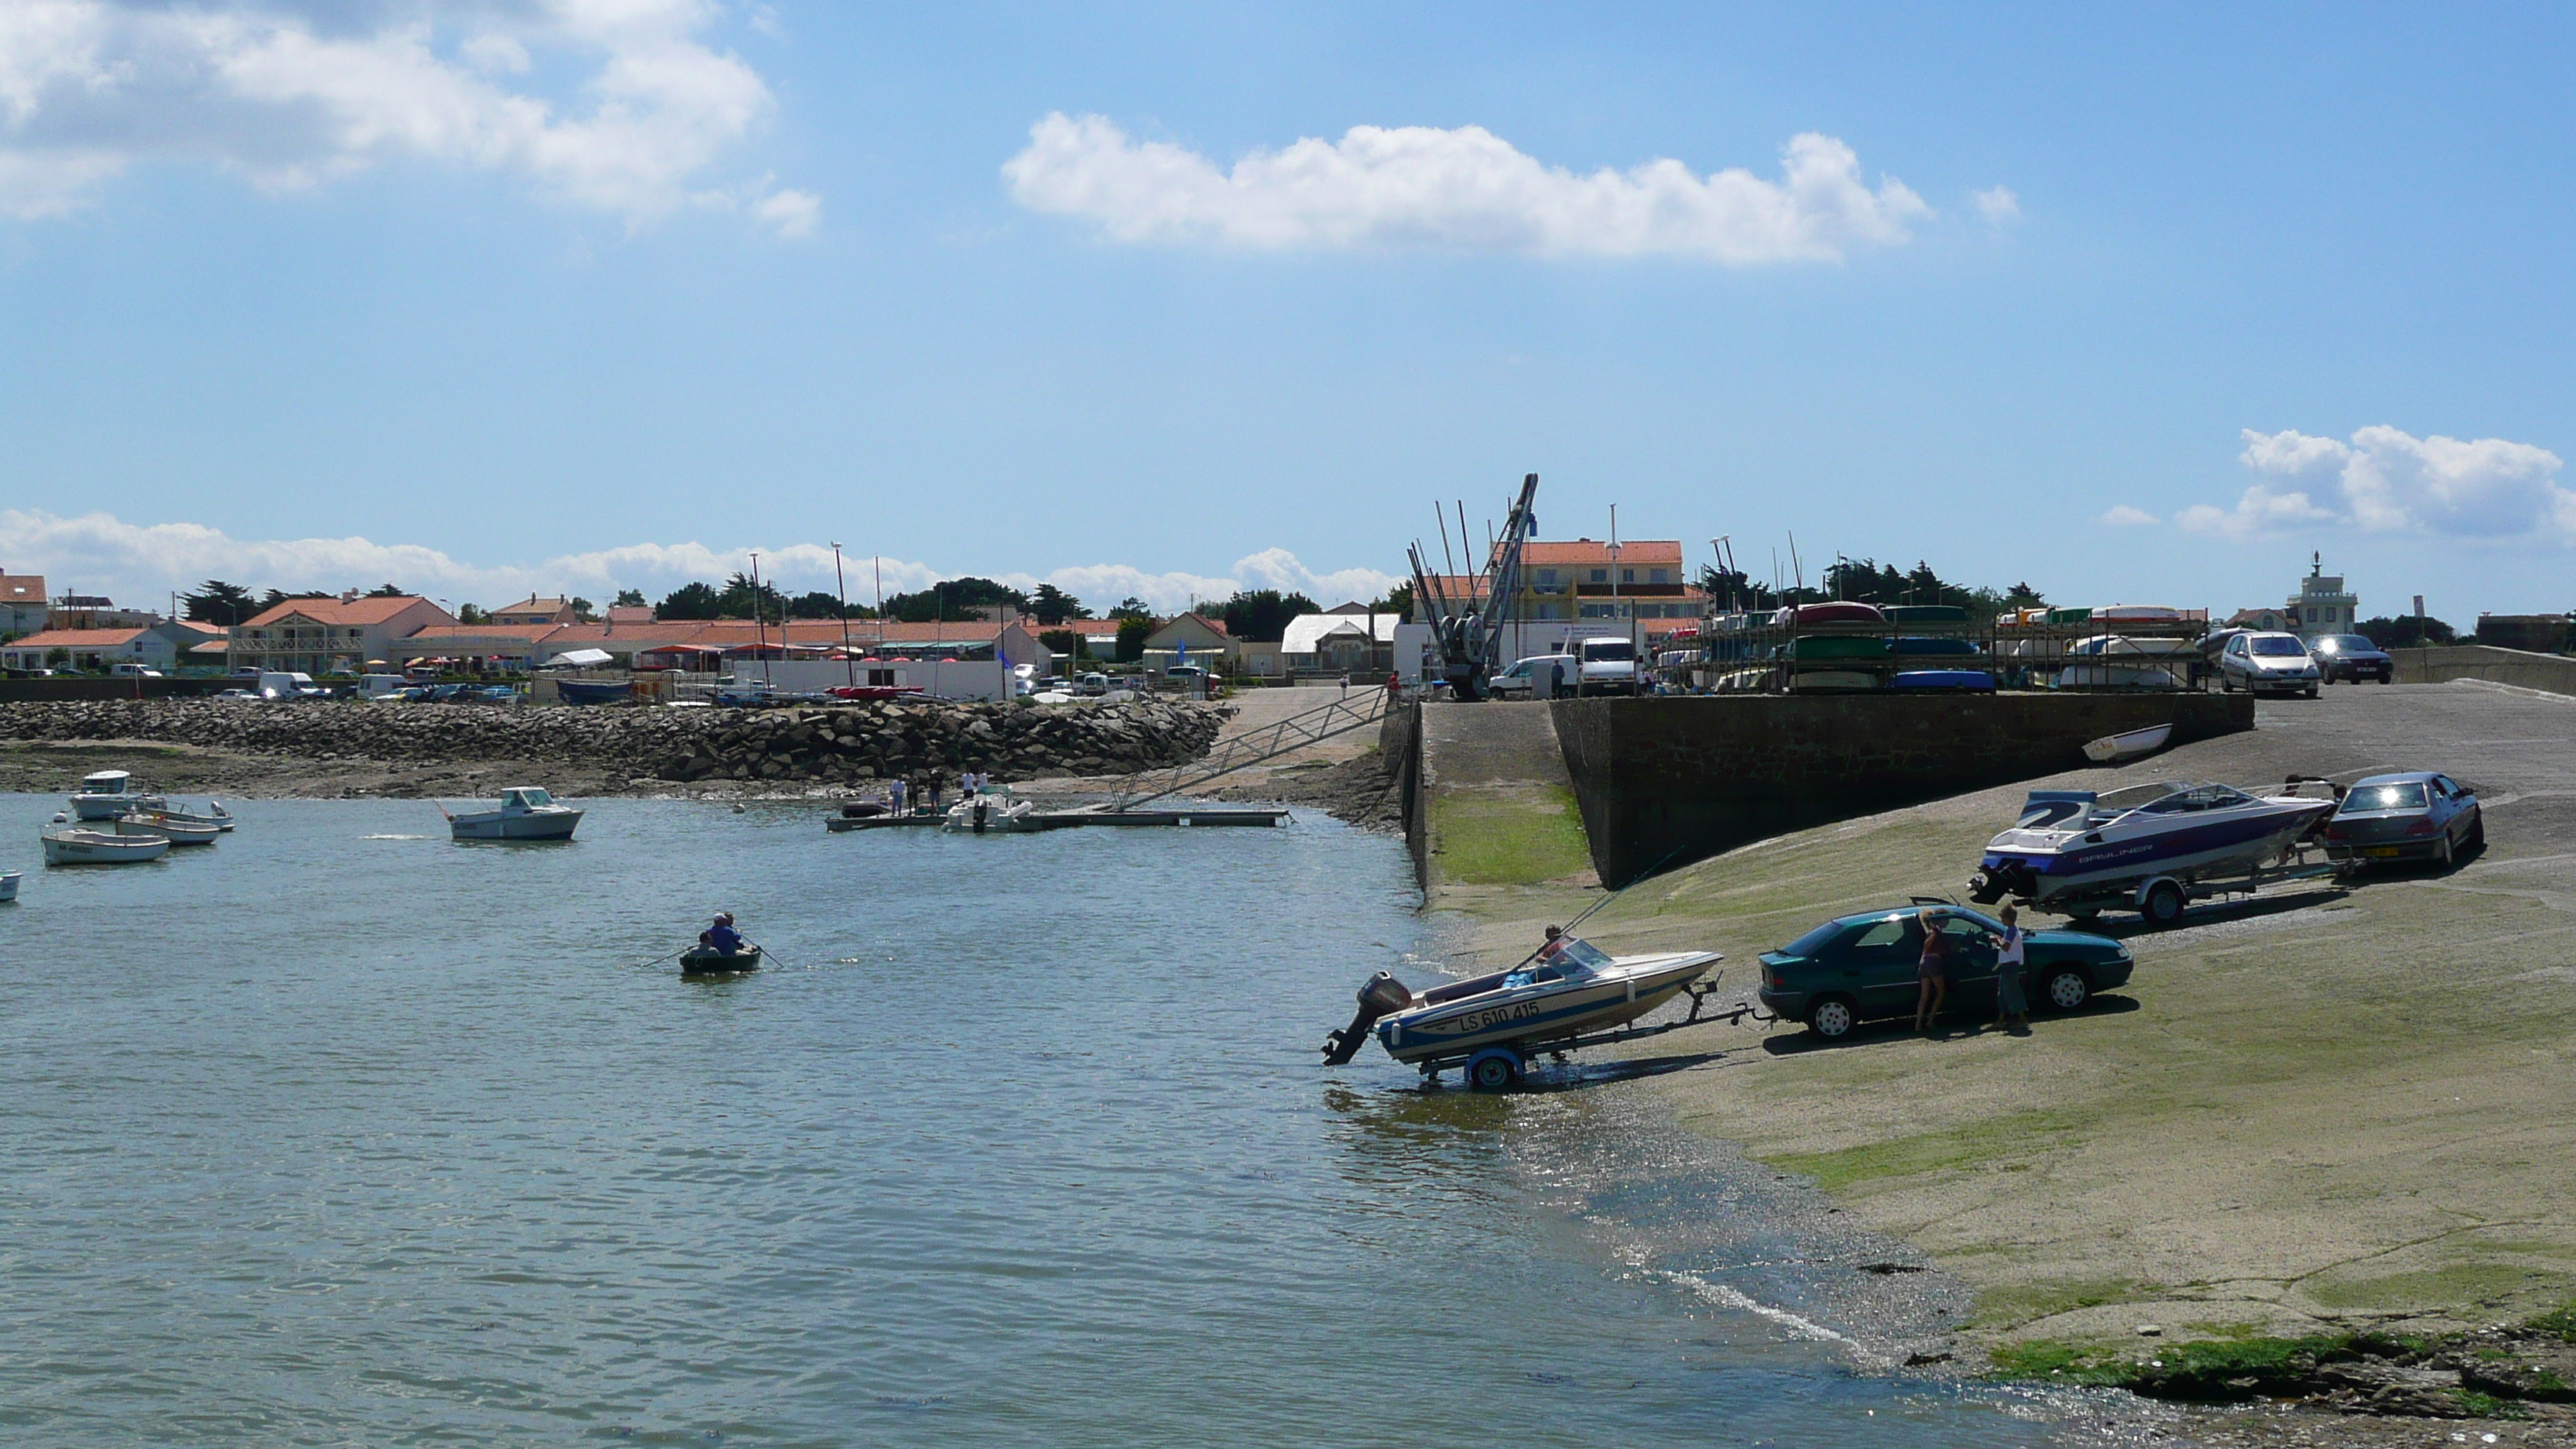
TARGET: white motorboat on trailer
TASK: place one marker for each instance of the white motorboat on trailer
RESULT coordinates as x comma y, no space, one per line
1490,1024
2073,847
71,844
107,794
526,813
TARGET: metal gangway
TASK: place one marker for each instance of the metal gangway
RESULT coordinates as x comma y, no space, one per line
1358,709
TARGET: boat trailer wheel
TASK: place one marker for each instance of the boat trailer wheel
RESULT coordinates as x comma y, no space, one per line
1494,1069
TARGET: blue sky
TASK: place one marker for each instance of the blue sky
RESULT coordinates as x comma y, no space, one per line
581,292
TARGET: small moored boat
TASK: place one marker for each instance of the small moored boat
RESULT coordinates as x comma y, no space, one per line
106,794
71,844
527,813
978,814
175,829
9,885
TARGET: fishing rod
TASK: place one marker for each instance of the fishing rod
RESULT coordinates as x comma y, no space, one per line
1595,908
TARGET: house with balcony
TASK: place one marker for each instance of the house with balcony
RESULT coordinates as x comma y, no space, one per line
331,636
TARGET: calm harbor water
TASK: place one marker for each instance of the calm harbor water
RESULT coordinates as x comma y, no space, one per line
340,1133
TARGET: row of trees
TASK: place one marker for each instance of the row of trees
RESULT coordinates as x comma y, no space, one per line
1867,581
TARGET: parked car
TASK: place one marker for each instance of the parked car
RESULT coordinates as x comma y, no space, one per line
237,694
1532,678
1862,968
2267,663
1093,685
2417,815
2351,657
135,671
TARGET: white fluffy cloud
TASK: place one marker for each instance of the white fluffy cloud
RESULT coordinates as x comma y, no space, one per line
1461,190
2385,480
292,95
142,564
1998,205
2123,516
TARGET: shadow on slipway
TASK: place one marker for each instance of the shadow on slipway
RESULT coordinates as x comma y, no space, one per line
1954,1026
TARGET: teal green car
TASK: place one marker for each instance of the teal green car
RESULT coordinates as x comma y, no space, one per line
1862,968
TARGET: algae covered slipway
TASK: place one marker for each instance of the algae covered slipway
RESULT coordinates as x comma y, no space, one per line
2320,1109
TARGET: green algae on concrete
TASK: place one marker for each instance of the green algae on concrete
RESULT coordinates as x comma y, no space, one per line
1507,836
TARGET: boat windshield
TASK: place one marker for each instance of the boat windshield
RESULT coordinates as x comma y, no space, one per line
532,797
2198,797
1574,953
2397,795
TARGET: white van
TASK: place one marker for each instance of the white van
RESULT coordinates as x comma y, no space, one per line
1609,666
290,686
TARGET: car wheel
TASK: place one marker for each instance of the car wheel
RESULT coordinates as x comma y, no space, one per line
2067,990
2163,905
1831,1018
2226,682
2312,691
2442,851
2478,831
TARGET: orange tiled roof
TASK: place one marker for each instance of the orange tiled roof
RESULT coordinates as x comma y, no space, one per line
340,611
1634,553
22,589
76,639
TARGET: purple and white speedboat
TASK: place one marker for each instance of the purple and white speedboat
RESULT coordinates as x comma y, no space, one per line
2073,842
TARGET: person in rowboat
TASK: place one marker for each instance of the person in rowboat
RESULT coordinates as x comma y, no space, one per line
721,937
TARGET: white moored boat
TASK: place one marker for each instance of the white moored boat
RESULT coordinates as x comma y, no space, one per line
1490,1024
70,844
8,885
526,813
978,814
109,793
176,828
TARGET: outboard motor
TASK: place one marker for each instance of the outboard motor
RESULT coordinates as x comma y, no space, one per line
980,808
1379,995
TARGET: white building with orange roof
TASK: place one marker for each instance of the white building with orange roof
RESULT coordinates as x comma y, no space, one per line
23,609
331,636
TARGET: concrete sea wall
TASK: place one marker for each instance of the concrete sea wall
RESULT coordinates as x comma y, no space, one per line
1662,782
2555,673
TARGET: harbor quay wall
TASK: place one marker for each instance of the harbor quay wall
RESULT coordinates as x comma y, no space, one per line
1665,781
2554,673
846,744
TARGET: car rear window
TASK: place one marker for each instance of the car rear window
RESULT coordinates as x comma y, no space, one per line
2277,648
2402,795
1815,940
2347,644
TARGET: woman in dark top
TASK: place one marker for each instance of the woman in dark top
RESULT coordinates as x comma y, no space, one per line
1933,972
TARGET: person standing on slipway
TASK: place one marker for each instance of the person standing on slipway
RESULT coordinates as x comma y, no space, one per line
2011,965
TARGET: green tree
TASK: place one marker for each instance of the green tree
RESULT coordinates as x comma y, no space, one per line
1260,616
1397,600
275,597
740,600
689,601
952,600
388,590
471,614
820,605
582,610
2023,596
1064,642
1132,634
1052,605
217,602
629,599
1132,607
2406,632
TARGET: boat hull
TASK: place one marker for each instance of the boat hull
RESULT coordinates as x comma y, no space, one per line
999,819
534,826
178,831
108,807
8,885
1532,1016
2205,848
93,847
700,961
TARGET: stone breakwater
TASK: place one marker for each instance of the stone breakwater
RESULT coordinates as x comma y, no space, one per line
843,744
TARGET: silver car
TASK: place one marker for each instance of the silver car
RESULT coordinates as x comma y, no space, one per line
2261,663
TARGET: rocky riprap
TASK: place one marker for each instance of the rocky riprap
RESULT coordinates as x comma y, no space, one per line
840,744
